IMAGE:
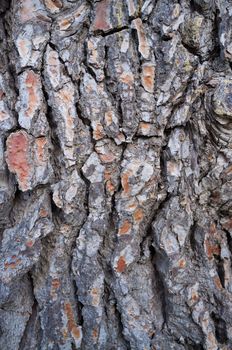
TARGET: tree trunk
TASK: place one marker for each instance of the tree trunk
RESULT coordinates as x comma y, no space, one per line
116,173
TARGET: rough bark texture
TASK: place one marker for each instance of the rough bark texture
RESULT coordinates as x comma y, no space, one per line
116,174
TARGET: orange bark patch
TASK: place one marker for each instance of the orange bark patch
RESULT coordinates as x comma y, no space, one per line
148,75
173,168
27,10
212,248
110,187
22,46
121,137
55,283
13,264
101,16
95,296
72,327
121,265
182,263
66,96
65,23
94,292
30,9
194,296
211,244
65,333
125,228
145,126
95,333
40,144
138,215
107,158
143,44
212,229
217,282
131,206
53,5
109,118
43,213
125,182
32,83
76,332
98,132
3,115
127,78
70,121
17,157
29,244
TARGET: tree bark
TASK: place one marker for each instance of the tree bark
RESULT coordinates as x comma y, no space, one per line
116,173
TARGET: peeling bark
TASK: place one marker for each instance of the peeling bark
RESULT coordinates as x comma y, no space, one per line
115,152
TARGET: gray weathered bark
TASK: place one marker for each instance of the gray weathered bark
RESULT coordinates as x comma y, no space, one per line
116,173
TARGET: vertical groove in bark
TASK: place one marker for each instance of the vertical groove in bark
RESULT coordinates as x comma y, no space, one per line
115,153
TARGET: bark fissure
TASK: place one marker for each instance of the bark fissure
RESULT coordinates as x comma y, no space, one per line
115,144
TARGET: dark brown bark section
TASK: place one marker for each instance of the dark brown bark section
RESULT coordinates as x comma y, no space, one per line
115,198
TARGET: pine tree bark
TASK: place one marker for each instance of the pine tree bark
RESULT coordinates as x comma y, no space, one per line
116,173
